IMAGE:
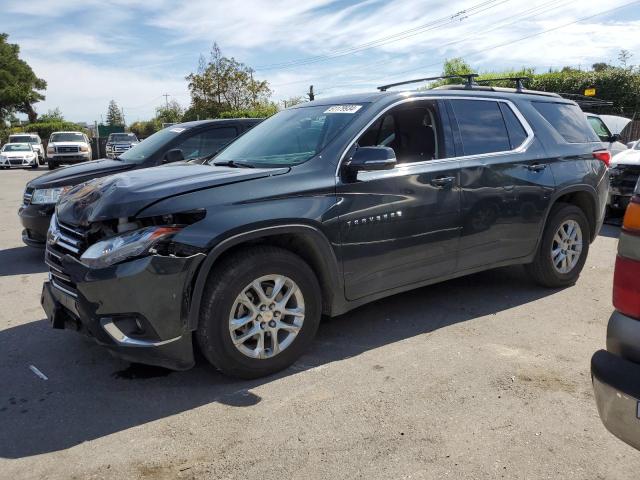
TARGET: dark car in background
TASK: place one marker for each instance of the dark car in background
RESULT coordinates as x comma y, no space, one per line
616,371
185,141
118,143
322,208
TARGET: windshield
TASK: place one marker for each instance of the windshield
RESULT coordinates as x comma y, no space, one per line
23,139
67,137
122,137
290,137
143,150
16,147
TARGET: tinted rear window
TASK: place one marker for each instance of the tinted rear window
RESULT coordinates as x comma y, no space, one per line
481,125
517,133
568,120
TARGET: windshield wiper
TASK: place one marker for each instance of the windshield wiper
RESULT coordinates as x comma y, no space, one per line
234,164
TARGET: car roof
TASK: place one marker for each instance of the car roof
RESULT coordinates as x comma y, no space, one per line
447,91
69,131
25,134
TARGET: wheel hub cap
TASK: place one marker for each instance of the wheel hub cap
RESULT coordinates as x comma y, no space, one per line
266,316
566,247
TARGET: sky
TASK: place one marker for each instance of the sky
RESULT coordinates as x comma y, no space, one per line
135,51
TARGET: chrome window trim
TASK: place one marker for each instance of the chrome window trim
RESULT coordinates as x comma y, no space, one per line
521,148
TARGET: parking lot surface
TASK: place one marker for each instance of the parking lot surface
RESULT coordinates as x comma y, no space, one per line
481,377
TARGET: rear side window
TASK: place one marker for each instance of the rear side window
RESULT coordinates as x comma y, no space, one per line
481,126
517,133
568,120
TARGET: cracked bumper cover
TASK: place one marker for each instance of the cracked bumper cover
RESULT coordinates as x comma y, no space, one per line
111,304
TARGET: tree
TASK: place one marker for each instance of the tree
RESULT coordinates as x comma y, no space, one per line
600,66
224,84
172,112
19,86
291,101
624,56
54,115
114,114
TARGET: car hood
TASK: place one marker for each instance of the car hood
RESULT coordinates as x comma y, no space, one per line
628,157
80,173
16,154
126,194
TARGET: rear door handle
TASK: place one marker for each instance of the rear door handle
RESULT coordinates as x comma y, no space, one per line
442,181
537,167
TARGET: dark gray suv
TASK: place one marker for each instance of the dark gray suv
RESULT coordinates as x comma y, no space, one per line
319,209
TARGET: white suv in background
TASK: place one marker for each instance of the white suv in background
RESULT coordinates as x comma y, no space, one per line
31,138
67,148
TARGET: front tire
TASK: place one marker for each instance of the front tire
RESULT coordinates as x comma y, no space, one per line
563,249
261,310
52,165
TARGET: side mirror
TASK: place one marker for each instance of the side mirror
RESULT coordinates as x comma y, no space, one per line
615,137
174,155
367,159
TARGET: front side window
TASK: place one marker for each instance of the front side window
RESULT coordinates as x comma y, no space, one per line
600,128
482,126
413,130
206,143
290,137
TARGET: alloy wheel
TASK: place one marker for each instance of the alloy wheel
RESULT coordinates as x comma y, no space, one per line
566,246
266,316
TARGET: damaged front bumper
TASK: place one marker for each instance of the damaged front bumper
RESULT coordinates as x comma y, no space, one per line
137,309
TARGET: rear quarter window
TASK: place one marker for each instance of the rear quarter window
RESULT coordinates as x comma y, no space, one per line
568,120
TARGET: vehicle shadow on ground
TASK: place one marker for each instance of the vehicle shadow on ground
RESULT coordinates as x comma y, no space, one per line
21,260
610,230
89,394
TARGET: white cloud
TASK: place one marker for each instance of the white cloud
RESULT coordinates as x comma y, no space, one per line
83,90
133,50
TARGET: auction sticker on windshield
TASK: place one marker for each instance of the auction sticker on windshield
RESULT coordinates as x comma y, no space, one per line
343,109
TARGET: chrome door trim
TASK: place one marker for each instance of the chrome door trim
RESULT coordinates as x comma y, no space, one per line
521,148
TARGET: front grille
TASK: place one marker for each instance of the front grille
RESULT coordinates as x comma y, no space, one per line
67,149
15,161
26,197
68,241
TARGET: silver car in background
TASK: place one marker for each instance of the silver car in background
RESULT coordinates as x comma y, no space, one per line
31,138
18,155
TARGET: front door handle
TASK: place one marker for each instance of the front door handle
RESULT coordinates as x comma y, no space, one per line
537,167
441,182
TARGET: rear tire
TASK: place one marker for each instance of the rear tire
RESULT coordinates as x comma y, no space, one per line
563,249
229,297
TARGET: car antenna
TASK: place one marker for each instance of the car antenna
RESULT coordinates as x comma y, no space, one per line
469,77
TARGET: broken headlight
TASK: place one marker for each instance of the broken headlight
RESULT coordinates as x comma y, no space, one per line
127,245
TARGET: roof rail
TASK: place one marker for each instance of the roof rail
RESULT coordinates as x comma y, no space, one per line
519,81
470,81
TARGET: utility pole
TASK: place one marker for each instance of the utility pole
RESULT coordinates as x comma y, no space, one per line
166,99
311,94
123,121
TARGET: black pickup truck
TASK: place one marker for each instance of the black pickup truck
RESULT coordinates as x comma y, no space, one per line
185,141
321,208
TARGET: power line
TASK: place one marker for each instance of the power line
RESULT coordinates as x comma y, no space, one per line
510,42
434,24
529,13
